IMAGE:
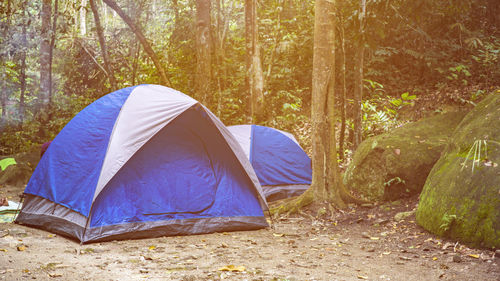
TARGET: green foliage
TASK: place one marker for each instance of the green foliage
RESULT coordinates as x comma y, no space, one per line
411,47
394,180
447,221
381,111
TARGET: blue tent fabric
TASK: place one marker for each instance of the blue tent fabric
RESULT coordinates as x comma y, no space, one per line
281,165
277,159
75,156
193,148
185,179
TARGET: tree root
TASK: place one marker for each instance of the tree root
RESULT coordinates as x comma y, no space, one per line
293,206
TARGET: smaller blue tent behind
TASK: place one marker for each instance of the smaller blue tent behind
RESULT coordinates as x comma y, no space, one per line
143,161
282,166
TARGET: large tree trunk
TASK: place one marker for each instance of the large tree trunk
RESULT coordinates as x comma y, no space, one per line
144,42
203,79
43,96
326,184
358,76
325,175
255,77
102,42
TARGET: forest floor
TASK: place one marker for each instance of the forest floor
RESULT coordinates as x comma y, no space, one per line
358,243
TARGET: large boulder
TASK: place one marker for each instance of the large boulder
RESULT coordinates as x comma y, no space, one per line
20,173
461,197
391,165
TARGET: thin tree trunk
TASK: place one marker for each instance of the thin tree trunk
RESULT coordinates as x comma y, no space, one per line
493,15
52,46
203,52
358,80
140,36
102,42
342,97
43,96
3,93
22,74
255,75
83,18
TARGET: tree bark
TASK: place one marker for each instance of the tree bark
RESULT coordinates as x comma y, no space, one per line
83,18
493,15
255,77
358,76
203,79
102,42
52,46
3,94
343,96
22,74
144,42
326,185
43,96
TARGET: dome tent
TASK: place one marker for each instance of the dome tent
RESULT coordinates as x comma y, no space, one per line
282,166
143,161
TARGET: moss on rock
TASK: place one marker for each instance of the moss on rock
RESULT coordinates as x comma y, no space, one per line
461,201
391,165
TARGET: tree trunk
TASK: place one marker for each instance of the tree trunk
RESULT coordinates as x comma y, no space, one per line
83,18
343,96
3,93
255,77
22,74
326,184
203,76
493,15
144,42
325,174
102,42
43,96
358,77
52,46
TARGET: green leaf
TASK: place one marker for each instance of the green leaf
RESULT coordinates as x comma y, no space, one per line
4,163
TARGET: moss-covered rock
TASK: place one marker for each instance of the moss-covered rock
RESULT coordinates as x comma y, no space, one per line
20,173
391,165
461,197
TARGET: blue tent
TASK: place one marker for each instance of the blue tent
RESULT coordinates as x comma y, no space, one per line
143,161
282,166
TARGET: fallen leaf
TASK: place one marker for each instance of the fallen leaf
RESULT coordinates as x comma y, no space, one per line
53,275
474,256
21,248
434,258
151,248
362,277
374,238
3,250
278,234
233,268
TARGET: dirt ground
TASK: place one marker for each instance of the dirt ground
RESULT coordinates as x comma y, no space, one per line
359,243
